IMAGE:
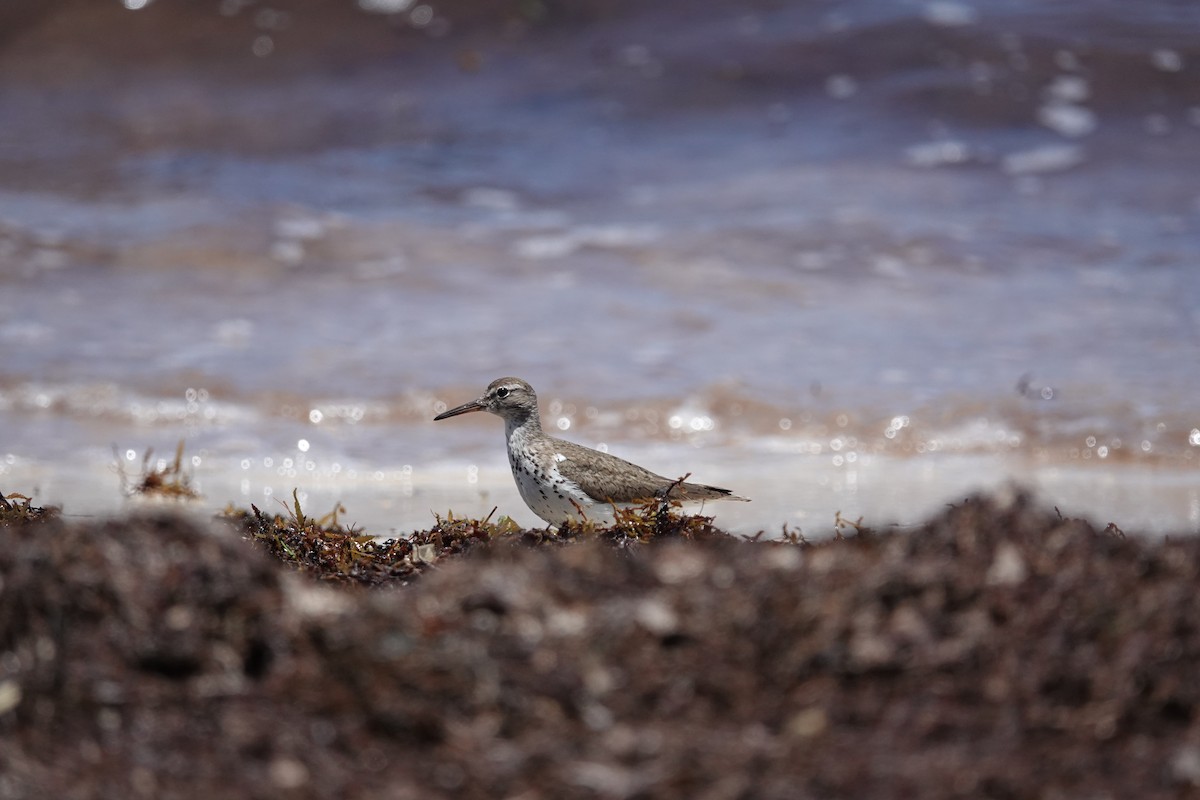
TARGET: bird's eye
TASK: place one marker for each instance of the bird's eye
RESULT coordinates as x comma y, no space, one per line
502,392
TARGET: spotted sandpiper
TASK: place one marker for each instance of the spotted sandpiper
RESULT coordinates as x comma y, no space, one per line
561,480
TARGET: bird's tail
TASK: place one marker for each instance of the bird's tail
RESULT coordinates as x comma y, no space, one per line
698,491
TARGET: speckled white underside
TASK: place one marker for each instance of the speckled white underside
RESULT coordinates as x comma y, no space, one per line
547,493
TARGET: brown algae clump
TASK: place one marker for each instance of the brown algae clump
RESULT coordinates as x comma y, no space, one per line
332,551
18,509
169,481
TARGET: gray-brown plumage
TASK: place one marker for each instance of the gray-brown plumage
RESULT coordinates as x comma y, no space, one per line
561,480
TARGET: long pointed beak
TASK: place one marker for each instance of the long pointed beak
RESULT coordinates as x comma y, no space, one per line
465,408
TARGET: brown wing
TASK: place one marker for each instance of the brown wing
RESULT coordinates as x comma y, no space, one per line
616,480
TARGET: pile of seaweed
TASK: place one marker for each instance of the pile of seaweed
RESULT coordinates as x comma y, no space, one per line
331,551
998,650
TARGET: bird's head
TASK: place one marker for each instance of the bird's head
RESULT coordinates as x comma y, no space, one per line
511,398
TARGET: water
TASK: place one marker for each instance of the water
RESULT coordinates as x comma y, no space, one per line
865,257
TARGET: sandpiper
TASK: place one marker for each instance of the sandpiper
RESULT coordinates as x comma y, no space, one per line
561,480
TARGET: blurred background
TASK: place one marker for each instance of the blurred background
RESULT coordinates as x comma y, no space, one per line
862,256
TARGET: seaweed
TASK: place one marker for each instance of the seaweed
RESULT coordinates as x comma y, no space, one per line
842,524
996,650
331,551
169,481
18,509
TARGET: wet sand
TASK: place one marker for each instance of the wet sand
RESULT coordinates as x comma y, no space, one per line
998,650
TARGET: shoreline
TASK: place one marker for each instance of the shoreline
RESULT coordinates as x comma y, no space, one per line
801,492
